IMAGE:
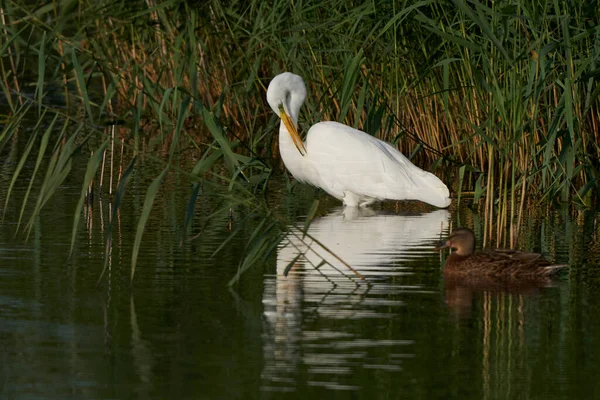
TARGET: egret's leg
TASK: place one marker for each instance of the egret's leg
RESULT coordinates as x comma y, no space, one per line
350,199
367,202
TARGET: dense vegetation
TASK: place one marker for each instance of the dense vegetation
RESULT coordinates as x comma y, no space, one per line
500,98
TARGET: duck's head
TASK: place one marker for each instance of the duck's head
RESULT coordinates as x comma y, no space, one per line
462,240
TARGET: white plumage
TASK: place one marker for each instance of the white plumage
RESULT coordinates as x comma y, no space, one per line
347,163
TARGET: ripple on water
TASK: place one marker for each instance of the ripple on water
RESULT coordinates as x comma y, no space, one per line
322,318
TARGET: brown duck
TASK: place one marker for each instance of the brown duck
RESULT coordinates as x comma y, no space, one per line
499,263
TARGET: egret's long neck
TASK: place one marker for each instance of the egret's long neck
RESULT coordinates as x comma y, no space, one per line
288,148
288,100
289,152
294,161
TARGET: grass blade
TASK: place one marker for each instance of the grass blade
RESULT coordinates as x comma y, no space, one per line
217,131
310,217
119,194
24,157
146,208
82,84
41,74
90,172
349,83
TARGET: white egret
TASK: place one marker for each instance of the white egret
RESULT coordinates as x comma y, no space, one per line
349,164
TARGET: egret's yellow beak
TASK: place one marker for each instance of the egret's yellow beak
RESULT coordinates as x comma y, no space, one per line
289,124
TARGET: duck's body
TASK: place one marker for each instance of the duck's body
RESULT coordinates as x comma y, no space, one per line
349,164
498,263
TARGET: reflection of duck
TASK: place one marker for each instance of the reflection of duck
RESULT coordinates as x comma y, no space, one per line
499,263
461,293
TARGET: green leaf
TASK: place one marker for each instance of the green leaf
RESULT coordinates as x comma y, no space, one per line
161,113
24,157
118,197
90,172
260,244
217,131
480,20
41,154
479,189
82,84
461,176
455,39
111,90
349,83
183,111
288,267
148,202
399,16
41,73
310,216
59,168
208,159
189,210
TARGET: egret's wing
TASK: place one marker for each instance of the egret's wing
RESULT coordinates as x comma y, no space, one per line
428,187
350,160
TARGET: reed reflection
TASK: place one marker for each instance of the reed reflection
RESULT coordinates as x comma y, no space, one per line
310,335
507,310
463,294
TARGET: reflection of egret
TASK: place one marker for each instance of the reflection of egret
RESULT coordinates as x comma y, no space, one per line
347,163
364,240
298,306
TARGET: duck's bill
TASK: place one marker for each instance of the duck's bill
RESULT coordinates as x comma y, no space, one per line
441,246
289,124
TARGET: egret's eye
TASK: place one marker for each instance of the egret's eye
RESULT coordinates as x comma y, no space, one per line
281,109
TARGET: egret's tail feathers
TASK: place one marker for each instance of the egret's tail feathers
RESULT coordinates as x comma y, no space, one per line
437,196
429,189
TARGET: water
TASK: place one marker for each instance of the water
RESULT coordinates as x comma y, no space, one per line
180,333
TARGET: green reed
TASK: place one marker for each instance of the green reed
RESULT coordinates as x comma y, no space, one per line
498,97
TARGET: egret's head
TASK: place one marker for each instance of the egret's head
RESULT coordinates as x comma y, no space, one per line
286,91
285,95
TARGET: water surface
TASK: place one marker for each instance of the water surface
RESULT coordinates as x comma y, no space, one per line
181,333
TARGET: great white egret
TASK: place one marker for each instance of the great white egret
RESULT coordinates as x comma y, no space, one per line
349,164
